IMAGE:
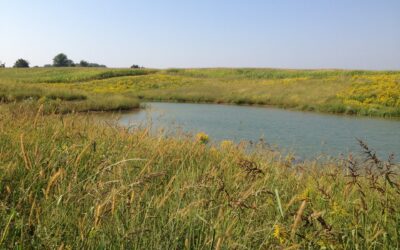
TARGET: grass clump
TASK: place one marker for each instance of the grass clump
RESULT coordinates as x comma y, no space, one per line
67,181
106,103
15,93
64,100
94,103
65,95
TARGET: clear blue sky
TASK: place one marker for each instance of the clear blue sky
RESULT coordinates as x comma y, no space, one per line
361,34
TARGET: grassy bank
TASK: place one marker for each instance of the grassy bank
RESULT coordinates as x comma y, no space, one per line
64,100
44,87
68,182
373,93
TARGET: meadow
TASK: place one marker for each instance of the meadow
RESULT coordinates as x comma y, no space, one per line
370,93
35,87
65,184
70,181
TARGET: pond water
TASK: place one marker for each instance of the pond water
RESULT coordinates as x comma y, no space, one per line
305,134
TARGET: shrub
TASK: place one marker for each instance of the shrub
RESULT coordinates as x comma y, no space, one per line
61,60
21,63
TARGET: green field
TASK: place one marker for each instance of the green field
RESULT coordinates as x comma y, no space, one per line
373,93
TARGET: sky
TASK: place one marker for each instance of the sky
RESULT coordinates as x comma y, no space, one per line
348,34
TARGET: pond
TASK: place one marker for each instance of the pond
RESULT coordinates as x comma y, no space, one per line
305,134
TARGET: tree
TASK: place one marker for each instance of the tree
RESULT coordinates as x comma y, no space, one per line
134,66
83,63
70,63
96,65
21,63
61,60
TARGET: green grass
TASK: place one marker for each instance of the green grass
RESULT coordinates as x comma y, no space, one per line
71,182
63,100
93,103
254,73
372,93
15,93
64,75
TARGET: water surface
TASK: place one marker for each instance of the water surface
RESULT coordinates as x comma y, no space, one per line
304,133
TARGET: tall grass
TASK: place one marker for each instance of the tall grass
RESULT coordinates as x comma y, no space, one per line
95,103
62,100
69,182
15,93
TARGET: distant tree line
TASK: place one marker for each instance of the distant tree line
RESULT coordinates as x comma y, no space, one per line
62,60
84,63
135,66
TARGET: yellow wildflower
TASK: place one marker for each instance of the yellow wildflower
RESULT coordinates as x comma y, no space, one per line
279,233
226,144
202,137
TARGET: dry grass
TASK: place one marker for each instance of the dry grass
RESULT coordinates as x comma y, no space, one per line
67,181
